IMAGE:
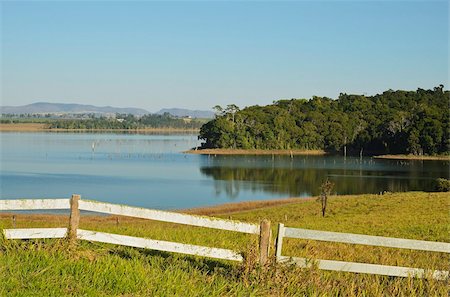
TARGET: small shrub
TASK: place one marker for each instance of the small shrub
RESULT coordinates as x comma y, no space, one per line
442,185
325,191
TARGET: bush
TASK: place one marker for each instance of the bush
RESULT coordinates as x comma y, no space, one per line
443,185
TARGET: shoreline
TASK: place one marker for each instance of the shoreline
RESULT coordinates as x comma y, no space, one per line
233,207
41,127
297,152
255,152
412,157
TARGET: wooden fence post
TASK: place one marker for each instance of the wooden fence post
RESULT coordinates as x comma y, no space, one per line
74,218
264,242
279,242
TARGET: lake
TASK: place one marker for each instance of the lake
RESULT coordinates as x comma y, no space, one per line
151,171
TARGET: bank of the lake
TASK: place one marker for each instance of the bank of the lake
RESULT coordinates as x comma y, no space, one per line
24,127
50,267
413,157
219,151
236,207
42,127
255,152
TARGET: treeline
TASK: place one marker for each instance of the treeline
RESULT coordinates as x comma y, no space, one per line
394,122
129,122
126,122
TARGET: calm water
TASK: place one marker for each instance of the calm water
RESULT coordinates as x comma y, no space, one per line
150,171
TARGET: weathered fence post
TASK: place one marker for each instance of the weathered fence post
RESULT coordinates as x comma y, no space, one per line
264,242
74,218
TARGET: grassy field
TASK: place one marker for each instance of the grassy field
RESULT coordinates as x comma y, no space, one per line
23,127
53,268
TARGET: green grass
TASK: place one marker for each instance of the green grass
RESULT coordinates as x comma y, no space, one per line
53,268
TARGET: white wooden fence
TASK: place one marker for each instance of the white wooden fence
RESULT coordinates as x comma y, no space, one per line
263,230
283,232
73,233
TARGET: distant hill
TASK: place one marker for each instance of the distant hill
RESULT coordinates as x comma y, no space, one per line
63,108
72,108
180,112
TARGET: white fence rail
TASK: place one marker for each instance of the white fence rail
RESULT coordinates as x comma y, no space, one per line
73,233
368,240
366,268
138,242
32,204
159,245
35,233
364,240
165,216
136,212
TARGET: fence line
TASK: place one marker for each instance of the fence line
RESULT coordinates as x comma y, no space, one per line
365,268
32,204
31,233
263,230
165,216
159,245
364,240
368,240
75,204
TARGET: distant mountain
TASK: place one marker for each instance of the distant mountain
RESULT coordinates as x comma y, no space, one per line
180,112
63,108
70,108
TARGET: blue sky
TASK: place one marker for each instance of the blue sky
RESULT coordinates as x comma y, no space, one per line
199,54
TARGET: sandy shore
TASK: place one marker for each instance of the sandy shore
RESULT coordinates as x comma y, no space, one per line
254,152
412,157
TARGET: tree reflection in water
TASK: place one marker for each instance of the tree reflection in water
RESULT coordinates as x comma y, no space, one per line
302,175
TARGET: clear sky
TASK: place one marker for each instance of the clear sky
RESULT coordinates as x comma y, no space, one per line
199,54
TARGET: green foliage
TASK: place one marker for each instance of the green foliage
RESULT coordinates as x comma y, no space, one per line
394,122
443,185
120,121
128,122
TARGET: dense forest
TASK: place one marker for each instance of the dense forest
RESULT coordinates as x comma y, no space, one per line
124,121
394,122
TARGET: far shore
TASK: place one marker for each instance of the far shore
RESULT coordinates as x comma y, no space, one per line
412,157
255,152
304,153
41,127
23,127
